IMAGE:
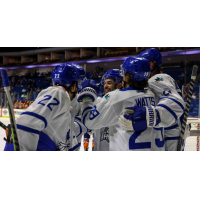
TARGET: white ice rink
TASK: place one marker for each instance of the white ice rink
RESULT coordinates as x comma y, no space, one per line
3,134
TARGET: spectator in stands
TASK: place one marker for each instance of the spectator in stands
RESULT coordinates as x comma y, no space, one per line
187,88
194,96
182,81
25,105
16,105
183,74
13,80
38,90
30,93
184,94
179,84
20,105
97,69
23,92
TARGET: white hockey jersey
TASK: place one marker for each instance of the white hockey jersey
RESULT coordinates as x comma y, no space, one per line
107,112
101,139
101,136
46,125
168,98
80,129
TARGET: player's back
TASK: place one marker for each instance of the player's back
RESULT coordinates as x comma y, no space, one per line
44,125
166,89
149,139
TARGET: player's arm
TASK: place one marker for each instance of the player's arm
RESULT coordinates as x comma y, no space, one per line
169,109
104,113
79,128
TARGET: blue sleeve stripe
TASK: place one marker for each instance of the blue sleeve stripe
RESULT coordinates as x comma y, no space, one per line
75,147
169,110
86,109
175,102
171,127
80,129
27,129
84,119
171,138
37,116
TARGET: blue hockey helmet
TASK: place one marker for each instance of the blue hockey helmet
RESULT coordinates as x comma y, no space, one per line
65,74
112,73
138,67
152,54
81,71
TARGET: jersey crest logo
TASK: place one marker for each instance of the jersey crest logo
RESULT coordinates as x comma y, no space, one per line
107,96
158,79
94,113
105,135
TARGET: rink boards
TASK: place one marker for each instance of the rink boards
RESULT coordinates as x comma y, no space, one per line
4,112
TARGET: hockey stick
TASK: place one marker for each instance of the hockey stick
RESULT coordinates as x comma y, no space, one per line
8,132
10,109
193,78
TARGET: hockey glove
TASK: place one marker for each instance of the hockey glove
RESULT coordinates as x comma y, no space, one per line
139,118
89,91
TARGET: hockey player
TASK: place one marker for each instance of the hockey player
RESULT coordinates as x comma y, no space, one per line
47,125
168,98
110,81
77,109
135,72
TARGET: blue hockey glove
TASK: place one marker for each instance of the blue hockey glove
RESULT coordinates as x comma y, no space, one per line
139,118
89,91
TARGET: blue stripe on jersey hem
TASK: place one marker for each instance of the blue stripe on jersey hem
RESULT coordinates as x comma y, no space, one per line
44,142
171,127
171,138
75,147
86,109
37,116
24,128
175,102
80,129
168,109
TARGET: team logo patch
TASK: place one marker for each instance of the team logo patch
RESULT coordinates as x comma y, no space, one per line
105,134
158,79
107,96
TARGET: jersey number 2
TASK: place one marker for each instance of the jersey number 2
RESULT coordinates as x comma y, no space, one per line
48,97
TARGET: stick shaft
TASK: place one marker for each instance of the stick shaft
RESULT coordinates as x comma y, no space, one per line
187,108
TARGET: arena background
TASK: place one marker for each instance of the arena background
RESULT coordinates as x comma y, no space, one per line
30,68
